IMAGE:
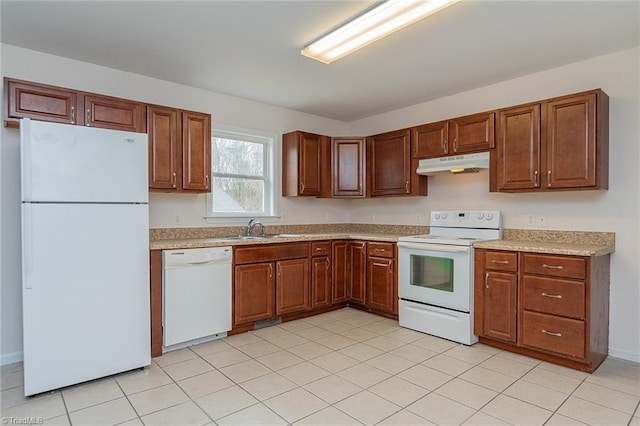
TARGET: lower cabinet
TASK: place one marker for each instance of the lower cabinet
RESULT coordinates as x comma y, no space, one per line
253,292
320,274
357,271
372,276
339,271
292,286
547,306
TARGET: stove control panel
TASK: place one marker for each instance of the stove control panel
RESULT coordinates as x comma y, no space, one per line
466,219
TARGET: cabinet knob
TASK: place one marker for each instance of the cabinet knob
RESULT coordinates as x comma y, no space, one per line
536,180
406,187
88,120
206,181
486,280
174,180
73,115
548,178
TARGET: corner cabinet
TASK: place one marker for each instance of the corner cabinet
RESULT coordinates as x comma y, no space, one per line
372,275
305,165
547,306
556,144
348,161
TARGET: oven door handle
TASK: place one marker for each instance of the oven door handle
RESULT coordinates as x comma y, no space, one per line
434,247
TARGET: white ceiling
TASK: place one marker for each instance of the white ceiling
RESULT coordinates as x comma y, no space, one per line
251,49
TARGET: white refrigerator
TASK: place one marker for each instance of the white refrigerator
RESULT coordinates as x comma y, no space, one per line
85,253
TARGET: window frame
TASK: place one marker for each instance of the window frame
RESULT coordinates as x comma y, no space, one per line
269,177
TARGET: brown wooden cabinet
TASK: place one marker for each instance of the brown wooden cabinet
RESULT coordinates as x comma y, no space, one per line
340,271
112,113
348,167
551,307
320,274
555,144
357,271
25,99
305,165
380,283
253,292
196,151
462,135
292,286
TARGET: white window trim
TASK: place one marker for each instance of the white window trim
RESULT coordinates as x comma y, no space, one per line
272,176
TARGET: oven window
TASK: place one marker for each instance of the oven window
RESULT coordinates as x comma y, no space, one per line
432,272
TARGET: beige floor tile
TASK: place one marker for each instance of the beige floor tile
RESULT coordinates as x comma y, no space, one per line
295,404
186,369
83,396
367,408
361,352
328,416
468,354
242,339
332,388
560,420
359,334
47,408
363,375
551,380
255,350
446,364
204,384
211,347
360,321
244,371
608,397
279,360
175,356
268,386
157,399
392,364
108,413
466,393
441,410
141,380
384,343
270,333
620,367
486,348
309,350
622,384
293,326
405,418
518,358
591,413
256,415
413,353
434,344
60,421
381,327
225,358
303,373
398,391
406,335
546,398
488,378
132,422
635,421
425,377
15,396
11,368
558,369
334,362
516,412
314,333
318,320
335,326
226,401
335,341
12,379
288,341
505,366
482,419
187,414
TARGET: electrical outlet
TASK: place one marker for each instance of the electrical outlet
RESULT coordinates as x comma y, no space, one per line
373,217
418,218
531,220
541,220
328,218
176,219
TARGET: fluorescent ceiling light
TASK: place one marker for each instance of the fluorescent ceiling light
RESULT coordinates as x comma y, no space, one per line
376,23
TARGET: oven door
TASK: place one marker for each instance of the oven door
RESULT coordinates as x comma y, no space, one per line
435,274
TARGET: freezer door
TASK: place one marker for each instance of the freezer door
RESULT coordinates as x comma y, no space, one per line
85,292
64,163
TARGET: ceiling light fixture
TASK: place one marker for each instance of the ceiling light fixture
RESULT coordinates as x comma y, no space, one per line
374,24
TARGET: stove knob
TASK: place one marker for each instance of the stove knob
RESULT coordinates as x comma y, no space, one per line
489,216
436,216
444,215
480,215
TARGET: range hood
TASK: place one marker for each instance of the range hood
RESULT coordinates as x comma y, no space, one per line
469,163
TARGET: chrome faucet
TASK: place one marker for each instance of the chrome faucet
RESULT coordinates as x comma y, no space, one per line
252,224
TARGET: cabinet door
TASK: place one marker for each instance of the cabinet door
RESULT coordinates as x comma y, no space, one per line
196,151
431,140
292,286
473,133
500,297
518,164
380,284
164,142
340,271
40,102
571,142
310,164
253,292
113,113
390,163
357,271
348,156
320,281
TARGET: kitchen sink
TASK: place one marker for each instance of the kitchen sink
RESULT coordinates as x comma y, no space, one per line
260,237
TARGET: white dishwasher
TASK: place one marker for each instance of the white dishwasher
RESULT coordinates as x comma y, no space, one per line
196,295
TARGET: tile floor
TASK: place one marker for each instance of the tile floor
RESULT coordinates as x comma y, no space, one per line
345,367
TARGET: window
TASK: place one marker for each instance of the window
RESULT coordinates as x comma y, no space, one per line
241,174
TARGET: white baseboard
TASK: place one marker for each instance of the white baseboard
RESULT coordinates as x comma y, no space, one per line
629,356
11,358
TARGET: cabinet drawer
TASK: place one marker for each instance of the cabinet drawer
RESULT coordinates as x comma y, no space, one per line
554,334
556,266
321,248
553,296
501,261
270,252
380,249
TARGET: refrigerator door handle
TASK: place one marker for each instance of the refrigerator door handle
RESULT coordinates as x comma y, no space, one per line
27,245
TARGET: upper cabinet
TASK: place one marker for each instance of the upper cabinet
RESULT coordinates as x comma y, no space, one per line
556,144
348,161
113,113
196,151
462,135
305,165
390,166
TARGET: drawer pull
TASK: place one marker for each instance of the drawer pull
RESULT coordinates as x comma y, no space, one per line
379,249
319,249
553,296
500,262
544,265
551,333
